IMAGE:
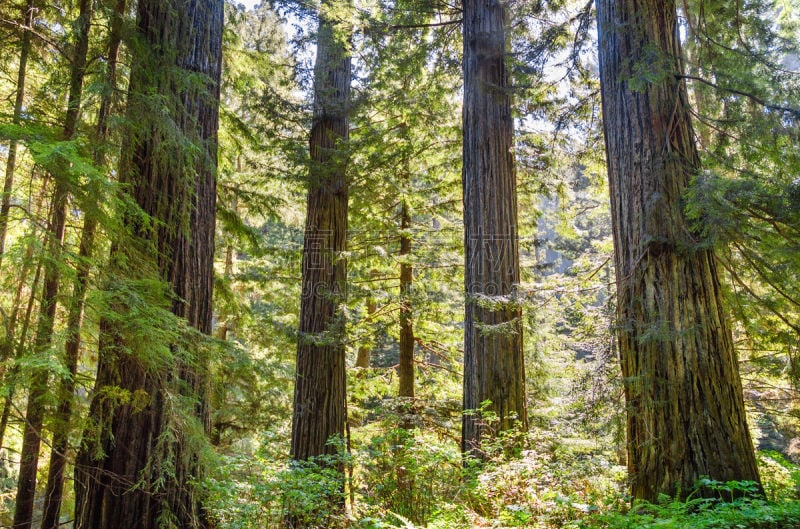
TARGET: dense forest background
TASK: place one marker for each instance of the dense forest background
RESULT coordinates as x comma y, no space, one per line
383,264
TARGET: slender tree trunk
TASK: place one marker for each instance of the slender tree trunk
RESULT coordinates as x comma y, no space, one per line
58,456
219,390
364,356
11,329
320,381
406,369
494,367
224,326
13,348
686,416
146,441
11,161
34,414
405,480
66,389
20,347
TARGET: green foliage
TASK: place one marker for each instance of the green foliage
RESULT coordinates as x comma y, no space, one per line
744,90
312,491
406,473
250,493
406,152
780,477
259,218
704,513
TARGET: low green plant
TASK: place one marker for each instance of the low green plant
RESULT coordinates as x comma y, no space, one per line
257,493
722,505
780,476
407,474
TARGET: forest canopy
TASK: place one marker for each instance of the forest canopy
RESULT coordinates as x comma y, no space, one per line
399,264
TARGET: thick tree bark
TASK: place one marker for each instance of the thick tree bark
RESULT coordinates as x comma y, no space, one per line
139,456
61,430
11,161
320,381
34,414
686,416
493,356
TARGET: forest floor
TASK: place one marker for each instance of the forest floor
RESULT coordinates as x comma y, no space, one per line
569,473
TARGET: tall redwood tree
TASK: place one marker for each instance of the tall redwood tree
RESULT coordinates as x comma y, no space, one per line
494,367
140,452
320,380
686,416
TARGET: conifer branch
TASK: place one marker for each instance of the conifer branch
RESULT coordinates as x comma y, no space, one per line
428,25
795,112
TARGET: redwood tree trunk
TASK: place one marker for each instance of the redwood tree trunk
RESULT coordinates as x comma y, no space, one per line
147,441
493,357
686,416
320,381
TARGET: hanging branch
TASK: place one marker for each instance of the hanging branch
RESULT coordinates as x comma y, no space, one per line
794,112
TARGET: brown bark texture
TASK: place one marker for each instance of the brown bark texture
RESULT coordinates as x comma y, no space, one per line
148,414
686,416
493,356
320,380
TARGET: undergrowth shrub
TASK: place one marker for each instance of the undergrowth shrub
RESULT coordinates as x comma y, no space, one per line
702,513
780,477
254,493
410,478
408,473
